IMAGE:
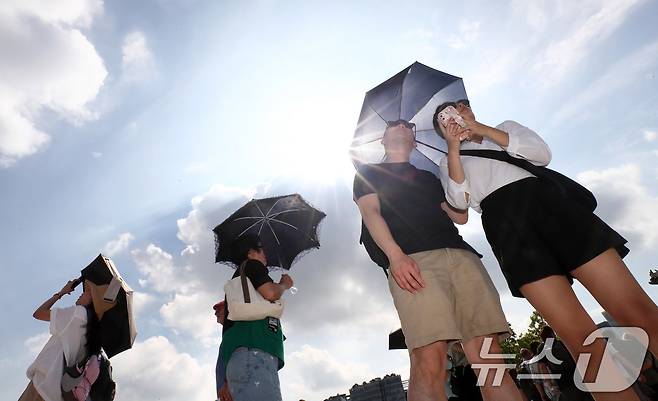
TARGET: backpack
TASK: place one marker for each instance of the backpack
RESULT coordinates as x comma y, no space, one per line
376,254
90,378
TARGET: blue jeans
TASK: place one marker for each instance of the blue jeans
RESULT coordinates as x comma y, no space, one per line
252,375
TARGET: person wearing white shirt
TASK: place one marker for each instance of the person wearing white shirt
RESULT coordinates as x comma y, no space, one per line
73,333
541,238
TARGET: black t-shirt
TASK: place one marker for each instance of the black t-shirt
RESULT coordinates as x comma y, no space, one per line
410,203
258,274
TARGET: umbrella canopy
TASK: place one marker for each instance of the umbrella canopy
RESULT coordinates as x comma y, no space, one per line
396,340
412,95
287,226
113,303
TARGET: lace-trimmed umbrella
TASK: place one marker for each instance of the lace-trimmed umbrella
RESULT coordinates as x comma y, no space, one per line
287,227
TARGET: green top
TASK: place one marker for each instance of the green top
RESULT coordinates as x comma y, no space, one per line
265,334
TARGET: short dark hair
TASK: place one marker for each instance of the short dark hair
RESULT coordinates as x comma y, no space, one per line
546,332
534,347
440,108
241,246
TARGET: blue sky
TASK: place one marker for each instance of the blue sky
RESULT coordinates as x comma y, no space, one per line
133,128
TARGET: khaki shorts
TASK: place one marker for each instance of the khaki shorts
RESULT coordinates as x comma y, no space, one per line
459,300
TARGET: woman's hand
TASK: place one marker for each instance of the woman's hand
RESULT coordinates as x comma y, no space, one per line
286,281
67,289
454,134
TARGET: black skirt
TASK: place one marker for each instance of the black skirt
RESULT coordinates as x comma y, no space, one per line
535,232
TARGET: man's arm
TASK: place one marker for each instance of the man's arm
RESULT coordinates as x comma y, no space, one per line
404,269
458,216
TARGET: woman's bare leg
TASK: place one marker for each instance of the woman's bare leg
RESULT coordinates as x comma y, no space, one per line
556,302
608,279
507,390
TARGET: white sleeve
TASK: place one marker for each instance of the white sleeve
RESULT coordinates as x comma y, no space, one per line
524,143
455,193
60,318
73,336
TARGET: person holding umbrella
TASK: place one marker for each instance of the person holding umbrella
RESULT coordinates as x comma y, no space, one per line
440,288
74,334
542,236
253,350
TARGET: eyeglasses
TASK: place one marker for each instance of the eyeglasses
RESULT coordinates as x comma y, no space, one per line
406,124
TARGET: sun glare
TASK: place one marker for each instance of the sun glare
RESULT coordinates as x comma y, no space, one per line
315,144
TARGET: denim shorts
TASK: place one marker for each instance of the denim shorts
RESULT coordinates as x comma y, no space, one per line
253,374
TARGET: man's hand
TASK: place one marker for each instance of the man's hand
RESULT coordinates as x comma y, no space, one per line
406,273
224,394
286,281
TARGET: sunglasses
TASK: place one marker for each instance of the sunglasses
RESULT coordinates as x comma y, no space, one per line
406,124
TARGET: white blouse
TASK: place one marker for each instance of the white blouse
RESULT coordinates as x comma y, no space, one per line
67,329
483,176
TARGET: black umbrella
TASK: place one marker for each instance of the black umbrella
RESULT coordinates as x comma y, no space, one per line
113,303
412,94
396,340
287,227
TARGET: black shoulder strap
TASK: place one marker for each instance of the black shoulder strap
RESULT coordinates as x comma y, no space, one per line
243,279
501,156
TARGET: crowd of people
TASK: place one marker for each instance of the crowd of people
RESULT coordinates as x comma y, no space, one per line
542,237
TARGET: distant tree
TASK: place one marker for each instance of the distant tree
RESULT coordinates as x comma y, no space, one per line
514,343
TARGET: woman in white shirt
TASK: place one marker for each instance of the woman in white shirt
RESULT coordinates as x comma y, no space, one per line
541,238
74,335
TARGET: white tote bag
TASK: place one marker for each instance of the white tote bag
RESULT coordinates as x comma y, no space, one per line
245,303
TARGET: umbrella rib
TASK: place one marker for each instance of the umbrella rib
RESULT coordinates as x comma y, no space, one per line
431,147
379,138
260,230
380,116
283,211
268,212
248,217
273,232
249,228
283,222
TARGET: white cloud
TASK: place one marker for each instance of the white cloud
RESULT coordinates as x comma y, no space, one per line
618,77
118,245
156,370
66,12
30,33
562,55
313,371
142,301
650,136
624,202
193,315
208,210
468,33
34,344
138,63
159,269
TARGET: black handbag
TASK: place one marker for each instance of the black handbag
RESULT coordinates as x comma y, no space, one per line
568,187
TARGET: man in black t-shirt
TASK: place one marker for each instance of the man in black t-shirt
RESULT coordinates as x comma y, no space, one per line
440,288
